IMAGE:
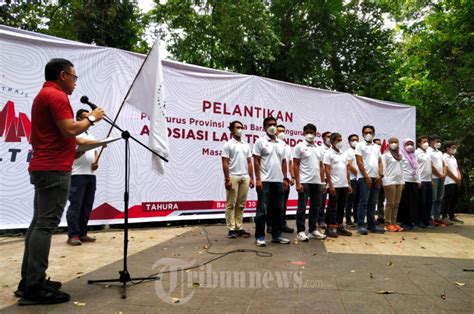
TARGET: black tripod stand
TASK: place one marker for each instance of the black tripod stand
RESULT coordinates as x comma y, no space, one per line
124,275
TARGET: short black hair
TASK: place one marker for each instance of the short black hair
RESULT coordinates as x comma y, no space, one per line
449,144
420,138
55,67
325,133
351,136
368,126
270,118
434,137
80,112
334,136
309,127
233,123
281,126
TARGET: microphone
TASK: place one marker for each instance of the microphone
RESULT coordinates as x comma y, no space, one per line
85,100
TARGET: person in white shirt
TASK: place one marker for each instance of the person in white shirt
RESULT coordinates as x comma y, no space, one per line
353,198
423,158
238,176
308,162
326,136
369,176
270,165
289,162
380,211
438,168
451,184
408,213
82,189
337,174
392,183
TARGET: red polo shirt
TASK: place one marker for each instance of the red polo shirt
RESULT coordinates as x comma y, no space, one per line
51,150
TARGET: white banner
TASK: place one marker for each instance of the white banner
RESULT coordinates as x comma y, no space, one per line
200,103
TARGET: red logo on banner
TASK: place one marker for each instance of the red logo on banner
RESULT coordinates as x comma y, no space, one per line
12,127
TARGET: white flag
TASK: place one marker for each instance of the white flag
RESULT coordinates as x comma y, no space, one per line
146,94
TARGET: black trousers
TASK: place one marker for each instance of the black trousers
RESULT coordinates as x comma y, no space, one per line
449,200
408,209
336,206
426,202
352,202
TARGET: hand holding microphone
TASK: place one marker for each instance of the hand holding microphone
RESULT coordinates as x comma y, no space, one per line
97,112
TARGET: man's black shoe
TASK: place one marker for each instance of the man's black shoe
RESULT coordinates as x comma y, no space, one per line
22,286
43,294
287,229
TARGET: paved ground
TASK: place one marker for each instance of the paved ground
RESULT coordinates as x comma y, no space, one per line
420,271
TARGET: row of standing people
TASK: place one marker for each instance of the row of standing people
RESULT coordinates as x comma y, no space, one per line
352,180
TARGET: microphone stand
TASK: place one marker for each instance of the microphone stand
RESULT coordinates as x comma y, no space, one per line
124,275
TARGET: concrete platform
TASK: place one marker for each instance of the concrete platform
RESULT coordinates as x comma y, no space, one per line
419,271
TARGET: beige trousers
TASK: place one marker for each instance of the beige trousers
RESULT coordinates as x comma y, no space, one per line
393,194
236,199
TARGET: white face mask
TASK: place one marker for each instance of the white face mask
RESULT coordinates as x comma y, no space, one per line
281,136
368,137
339,145
437,145
393,146
327,142
354,144
239,132
410,148
425,145
309,137
453,151
272,130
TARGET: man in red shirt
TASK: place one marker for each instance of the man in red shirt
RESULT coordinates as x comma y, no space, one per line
53,141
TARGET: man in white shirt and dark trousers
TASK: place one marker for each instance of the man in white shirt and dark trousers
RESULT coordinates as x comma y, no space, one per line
353,198
270,165
337,175
308,163
438,168
426,193
82,190
370,174
451,184
238,177
326,136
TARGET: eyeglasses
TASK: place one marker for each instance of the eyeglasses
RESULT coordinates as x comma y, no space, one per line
75,77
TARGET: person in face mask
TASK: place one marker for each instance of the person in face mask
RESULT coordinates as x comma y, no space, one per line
353,198
289,161
337,174
238,176
439,170
408,213
452,183
426,192
270,182
308,161
326,136
392,183
369,177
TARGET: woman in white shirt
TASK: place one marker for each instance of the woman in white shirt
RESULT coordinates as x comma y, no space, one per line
392,183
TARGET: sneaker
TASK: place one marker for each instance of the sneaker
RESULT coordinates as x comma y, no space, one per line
86,238
446,221
407,227
281,240
43,294
316,235
420,225
437,222
392,228
376,229
457,220
430,225
287,229
243,234
330,233
21,286
302,237
260,241
399,228
362,231
343,232
322,225
232,234
74,241
350,224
